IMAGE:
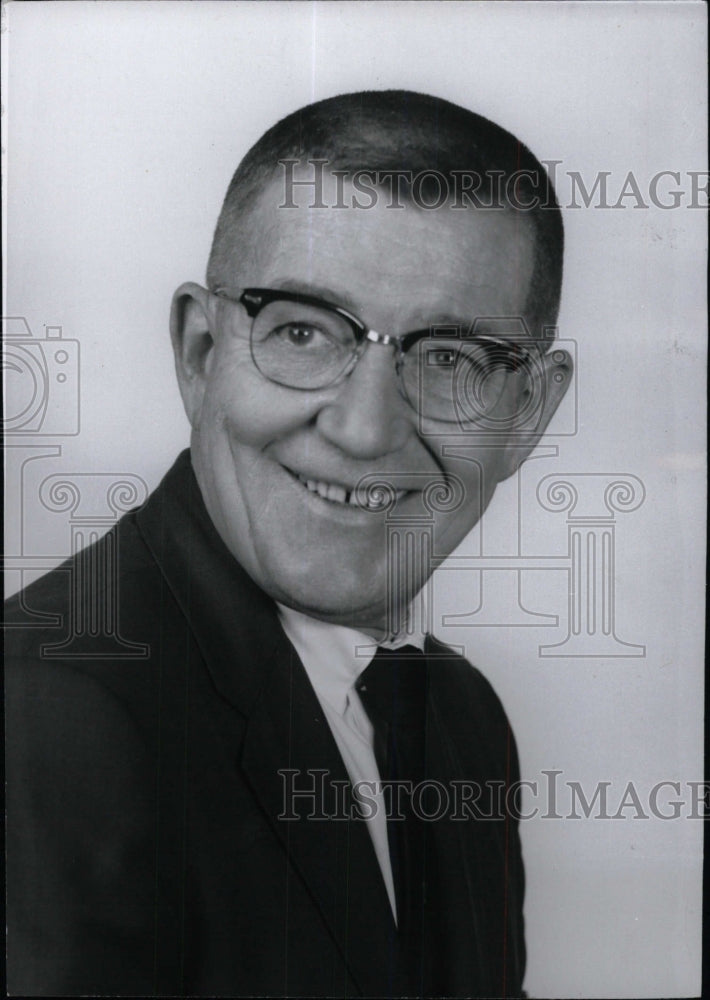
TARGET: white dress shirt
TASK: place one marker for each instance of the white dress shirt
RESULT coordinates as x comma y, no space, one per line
334,657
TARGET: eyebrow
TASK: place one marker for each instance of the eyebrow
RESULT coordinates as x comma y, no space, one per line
341,298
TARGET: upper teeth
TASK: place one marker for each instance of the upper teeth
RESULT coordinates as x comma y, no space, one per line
338,494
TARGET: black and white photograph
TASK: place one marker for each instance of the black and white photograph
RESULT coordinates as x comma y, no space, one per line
354,367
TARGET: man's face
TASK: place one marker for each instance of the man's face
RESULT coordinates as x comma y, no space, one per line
256,444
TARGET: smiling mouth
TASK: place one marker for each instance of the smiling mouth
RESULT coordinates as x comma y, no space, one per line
361,499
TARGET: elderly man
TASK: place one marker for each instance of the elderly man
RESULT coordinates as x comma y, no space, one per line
256,807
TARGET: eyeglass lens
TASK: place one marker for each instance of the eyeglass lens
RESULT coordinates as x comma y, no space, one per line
450,379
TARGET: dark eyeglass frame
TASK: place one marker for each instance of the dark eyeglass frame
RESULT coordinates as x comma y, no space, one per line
255,299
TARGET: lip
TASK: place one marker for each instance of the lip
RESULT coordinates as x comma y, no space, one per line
342,511
411,482
300,475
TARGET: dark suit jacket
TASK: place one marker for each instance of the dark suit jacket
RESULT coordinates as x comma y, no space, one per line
145,852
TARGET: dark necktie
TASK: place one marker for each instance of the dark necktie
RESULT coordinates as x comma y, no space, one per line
393,690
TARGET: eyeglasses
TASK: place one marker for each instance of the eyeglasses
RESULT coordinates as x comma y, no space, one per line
304,342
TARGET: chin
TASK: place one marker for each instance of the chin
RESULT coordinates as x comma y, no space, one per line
338,600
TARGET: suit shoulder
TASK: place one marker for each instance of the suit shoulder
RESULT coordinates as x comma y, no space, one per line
53,707
82,648
464,681
114,576
470,707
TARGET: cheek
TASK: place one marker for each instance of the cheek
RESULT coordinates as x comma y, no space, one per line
241,406
475,479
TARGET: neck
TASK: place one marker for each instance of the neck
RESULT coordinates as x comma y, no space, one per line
410,618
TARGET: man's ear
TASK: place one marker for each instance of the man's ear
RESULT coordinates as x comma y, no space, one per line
191,323
542,389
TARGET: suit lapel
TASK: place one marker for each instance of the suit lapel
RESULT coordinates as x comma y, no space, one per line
334,856
254,667
232,620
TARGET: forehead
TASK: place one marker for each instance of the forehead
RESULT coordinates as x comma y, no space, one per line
393,266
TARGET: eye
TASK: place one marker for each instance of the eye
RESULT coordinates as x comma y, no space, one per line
454,356
441,357
299,334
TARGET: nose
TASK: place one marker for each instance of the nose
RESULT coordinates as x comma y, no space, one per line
367,417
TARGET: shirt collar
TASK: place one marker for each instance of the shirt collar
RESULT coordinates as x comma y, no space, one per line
334,656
